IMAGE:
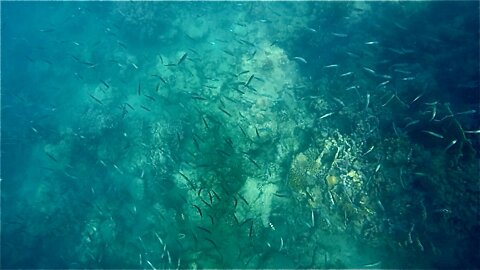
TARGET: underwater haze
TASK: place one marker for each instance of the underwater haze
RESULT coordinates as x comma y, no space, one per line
251,135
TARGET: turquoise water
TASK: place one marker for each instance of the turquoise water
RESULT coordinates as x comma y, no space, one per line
151,135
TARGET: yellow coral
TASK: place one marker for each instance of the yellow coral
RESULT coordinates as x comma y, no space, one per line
332,180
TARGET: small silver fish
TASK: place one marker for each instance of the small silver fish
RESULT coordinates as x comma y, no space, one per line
433,134
300,59
415,99
326,115
339,35
388,101
450,145
313,219
411,123
346,74
369,70
352,87
368,101
382,84
331,66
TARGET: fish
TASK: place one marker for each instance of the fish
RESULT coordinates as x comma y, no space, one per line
249,80
130,106
178,137
346,74
382,84
51,157
104,83
178,263
341,35
203,229
300,59
373,265
352,87
235,202
205,122
184,56
187,179
198,209
401,71
411,123
149,97
434,112
243,199
46,30
211,242
310,197
354,55
313,218
211,197
211,219
388,101
339,101
243,131
450,145
197,97
247,42
196,143
224,111
169,257
371,43
368,101
433,134
378,167
200,138
123,45
209,86
151,265
160,77
330,196
118,169
229,142
466,112
96,99
194,51
159,238
369,71
326,115
243,72
253,161
331,66
369,150
415,99
228,52
139,89
236,219
472,131
145,108
256,131
223,152
216,195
